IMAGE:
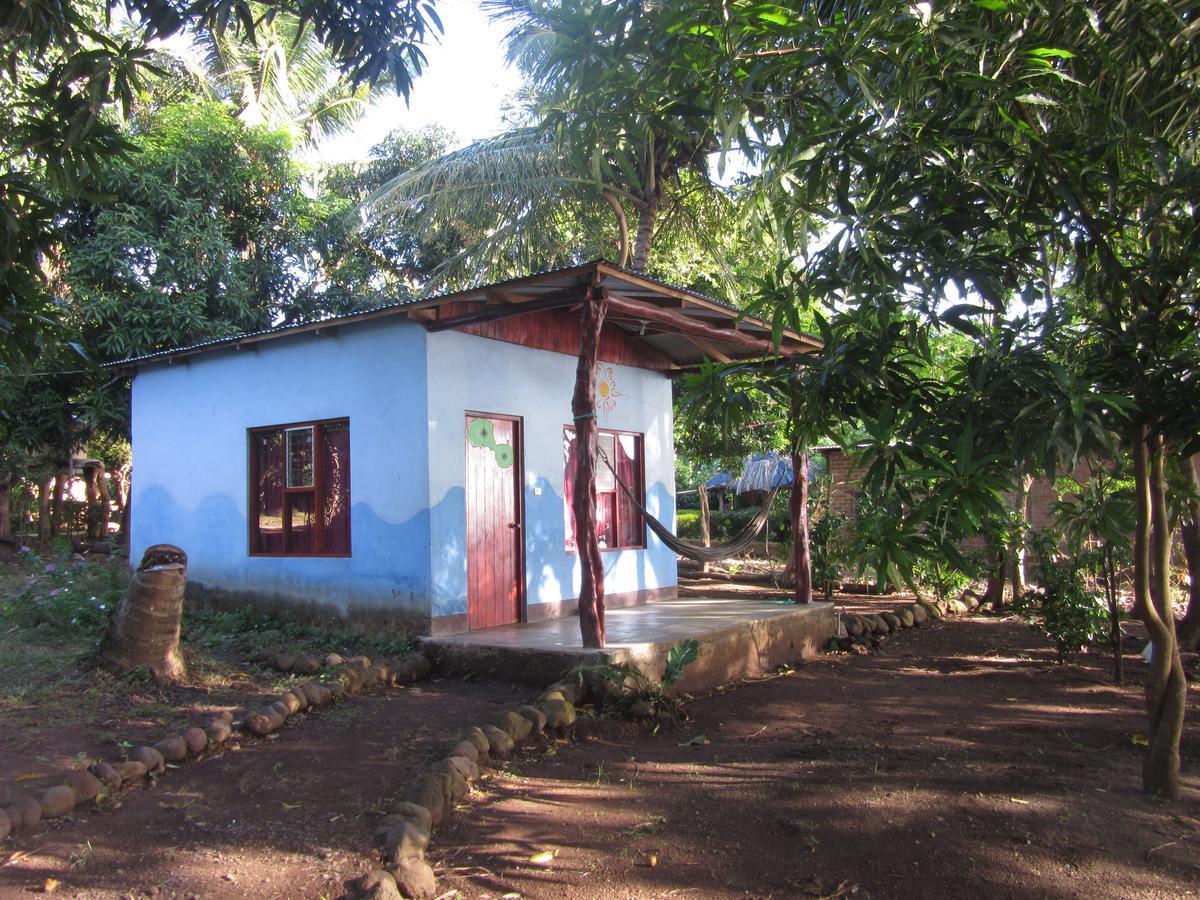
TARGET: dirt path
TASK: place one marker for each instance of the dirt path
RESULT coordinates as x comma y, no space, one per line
958,760
290,816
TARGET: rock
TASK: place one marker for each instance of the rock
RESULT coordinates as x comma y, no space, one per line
289,701
262,722
23,812
109,776
560,715
131,771
56,802
572,691
358,662
383,674
84,785
854,626
378,885
515,726
405,841
904,614
318,695
333,660
284,662
5,825
415,813
148,757
919,614
301,698
430,793
420,665
500,743
892,621
218,731
930,609
536,717
6,795
467,749
551,695
280,707
415,879
196,740
642,709
173,749
306,665
479,739
456,782
875,624
226,715
467,767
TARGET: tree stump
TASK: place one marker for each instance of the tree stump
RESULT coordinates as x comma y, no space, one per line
145,629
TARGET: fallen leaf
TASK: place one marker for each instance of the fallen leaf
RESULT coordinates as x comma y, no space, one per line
50,885
544,858
1139,740
292,805
1018,800
697,741
31,776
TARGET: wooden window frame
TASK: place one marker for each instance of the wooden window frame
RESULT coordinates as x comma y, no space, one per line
317,490
640,437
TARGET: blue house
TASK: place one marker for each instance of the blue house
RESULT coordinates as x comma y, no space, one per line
412,463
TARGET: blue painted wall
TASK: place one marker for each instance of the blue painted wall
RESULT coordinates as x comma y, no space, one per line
190,479
473,373
406,393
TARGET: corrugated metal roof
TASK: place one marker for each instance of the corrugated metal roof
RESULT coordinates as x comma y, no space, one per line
633,284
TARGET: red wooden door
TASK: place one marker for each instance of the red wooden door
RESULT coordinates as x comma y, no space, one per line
495,545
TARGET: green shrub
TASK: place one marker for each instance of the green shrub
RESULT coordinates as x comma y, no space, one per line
64,595
1062,607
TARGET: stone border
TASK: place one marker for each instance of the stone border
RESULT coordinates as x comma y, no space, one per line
863,631
405,830
102,780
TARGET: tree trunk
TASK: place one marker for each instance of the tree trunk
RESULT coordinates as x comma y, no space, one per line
798,507
583,409
56,512
6,485
1021,571
97,502
121,479
1165,686
45,487
145,629
705,521
1109,566
647,211
993,594
1188,631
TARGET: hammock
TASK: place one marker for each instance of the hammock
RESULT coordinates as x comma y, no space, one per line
734,547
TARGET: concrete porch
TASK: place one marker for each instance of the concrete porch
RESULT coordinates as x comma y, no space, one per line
738,637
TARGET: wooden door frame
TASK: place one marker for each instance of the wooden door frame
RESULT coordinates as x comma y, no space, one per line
518,504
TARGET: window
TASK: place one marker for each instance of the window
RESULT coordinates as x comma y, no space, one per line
300,489
619,525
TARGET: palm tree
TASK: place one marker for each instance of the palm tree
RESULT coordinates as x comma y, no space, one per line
609,135
286,78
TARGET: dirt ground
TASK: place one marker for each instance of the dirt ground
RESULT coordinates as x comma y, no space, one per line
960,757
290,816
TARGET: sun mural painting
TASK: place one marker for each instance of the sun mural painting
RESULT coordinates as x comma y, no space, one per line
606,388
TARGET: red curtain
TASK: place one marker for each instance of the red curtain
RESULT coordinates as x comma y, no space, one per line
629,470
335,469
268,468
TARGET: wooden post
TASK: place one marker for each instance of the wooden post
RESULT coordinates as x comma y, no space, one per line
583,409
798,507
705,524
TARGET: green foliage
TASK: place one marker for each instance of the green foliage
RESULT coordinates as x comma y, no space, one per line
272,631
63,595
630,685
1062,607
827,549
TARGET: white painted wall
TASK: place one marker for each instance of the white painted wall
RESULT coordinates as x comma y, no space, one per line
467,372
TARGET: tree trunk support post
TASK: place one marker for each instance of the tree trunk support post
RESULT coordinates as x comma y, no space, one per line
798,507
583,410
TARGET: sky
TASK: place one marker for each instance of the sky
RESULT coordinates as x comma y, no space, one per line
463,87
